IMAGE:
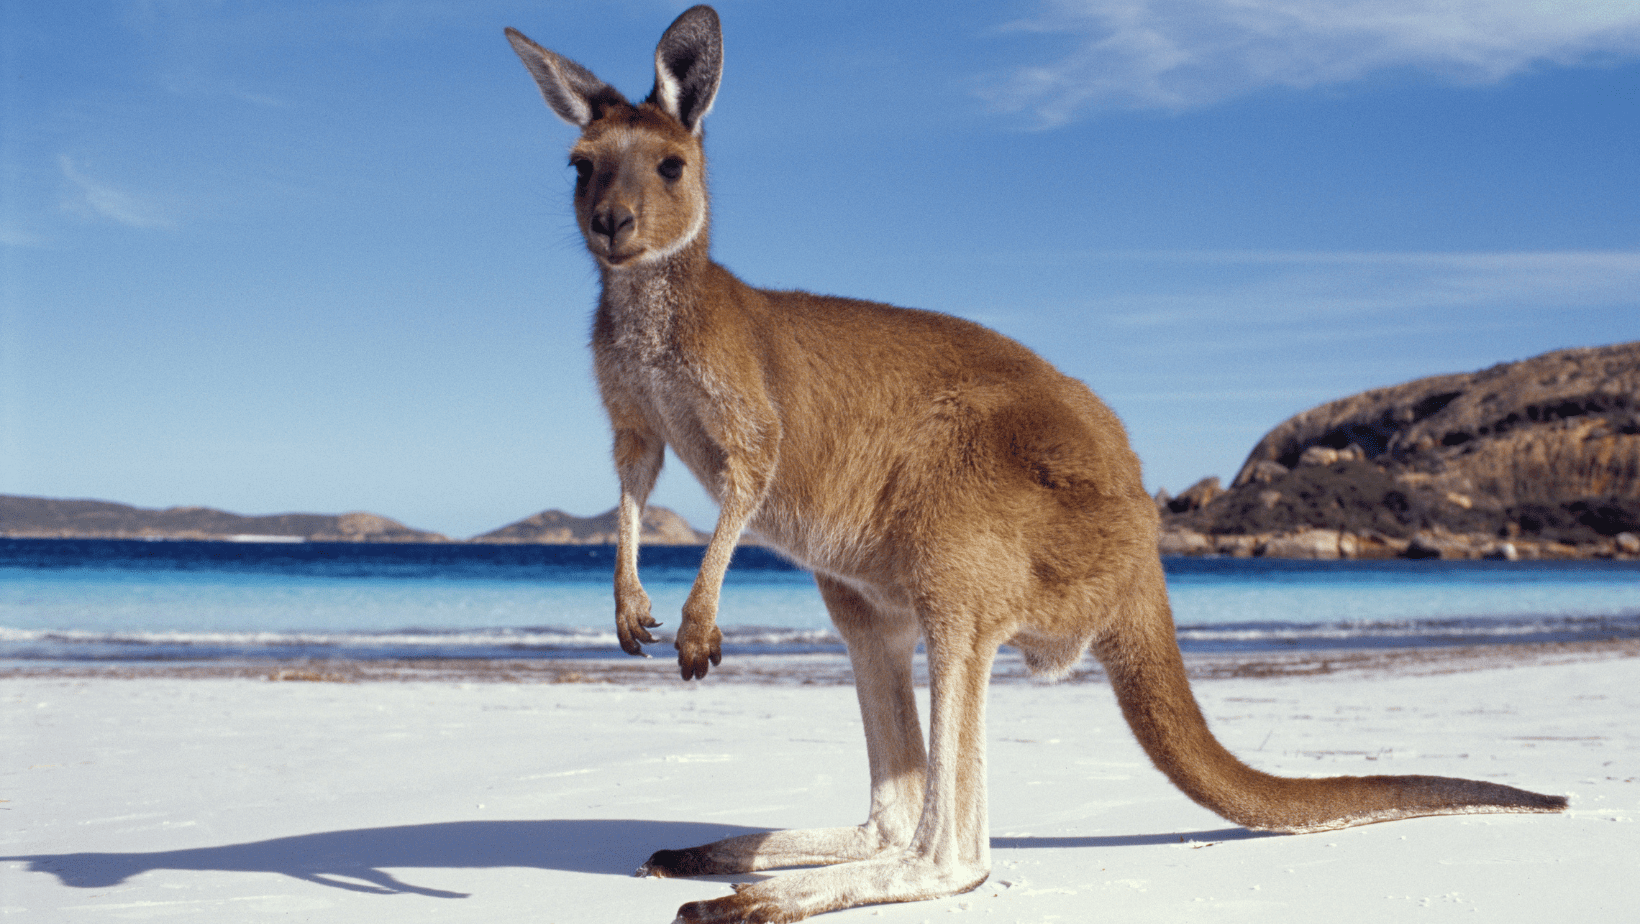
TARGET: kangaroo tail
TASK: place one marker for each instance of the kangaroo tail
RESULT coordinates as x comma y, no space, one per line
1145,668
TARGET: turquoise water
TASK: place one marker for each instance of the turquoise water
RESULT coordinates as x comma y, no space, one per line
78,599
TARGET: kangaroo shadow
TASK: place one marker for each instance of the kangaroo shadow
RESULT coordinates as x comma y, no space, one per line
356,860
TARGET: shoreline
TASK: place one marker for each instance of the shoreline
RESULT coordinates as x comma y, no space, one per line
827,669
1310,543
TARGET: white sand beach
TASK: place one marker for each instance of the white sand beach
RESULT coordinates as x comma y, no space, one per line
159,795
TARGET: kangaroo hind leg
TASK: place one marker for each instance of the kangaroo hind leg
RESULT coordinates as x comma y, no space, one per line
880,646
950,849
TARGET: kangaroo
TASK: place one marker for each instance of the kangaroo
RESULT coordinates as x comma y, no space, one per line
943,484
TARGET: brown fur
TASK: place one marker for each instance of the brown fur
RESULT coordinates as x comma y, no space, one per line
943,483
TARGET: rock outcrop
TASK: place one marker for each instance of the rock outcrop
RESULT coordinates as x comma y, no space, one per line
1195,497
47,518
1534,458
660,526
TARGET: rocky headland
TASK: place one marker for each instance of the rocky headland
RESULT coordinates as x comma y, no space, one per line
1532,459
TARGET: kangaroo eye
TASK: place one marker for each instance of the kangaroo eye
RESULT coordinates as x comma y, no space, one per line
670,168
583,168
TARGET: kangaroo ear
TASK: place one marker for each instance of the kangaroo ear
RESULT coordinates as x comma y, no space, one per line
570,89
688,65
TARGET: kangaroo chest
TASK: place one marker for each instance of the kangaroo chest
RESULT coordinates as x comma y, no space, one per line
642,369
666,399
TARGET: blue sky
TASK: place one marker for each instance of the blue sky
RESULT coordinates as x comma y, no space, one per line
318,256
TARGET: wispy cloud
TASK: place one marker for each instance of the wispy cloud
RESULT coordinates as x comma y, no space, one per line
1285,287
94,198
1180,54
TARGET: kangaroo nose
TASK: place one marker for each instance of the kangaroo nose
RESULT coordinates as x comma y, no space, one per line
614,222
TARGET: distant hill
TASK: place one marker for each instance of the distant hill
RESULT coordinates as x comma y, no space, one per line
46,518
660,526
1537,457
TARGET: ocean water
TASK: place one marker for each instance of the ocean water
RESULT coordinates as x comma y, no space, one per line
103,600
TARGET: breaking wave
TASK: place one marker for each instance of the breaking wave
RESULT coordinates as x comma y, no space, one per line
547,642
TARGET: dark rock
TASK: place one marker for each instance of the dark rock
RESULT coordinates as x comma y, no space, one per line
1580,520
1194,497
1266,471
1418,549
1353,497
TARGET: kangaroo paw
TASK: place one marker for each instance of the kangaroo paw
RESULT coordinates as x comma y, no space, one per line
697,650
633,622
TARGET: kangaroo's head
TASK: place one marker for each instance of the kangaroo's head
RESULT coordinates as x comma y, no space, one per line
640,188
